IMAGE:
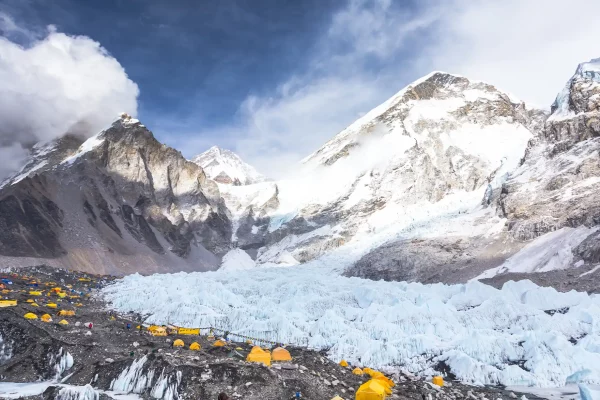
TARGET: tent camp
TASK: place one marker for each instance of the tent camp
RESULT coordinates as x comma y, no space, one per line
259,355
178,343
219,343
371,390
281,354
344,363
66,313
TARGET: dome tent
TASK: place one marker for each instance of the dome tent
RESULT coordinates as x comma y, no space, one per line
259,355
281,354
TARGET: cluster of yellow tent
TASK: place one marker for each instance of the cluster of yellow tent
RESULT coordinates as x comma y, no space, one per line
376,388
44,318
259,355
8,303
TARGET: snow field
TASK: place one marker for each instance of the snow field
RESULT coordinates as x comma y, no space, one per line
485,335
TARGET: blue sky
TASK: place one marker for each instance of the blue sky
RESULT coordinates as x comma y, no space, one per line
275,79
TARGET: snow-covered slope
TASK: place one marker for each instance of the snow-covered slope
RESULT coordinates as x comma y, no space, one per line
224,166
417,166
511,336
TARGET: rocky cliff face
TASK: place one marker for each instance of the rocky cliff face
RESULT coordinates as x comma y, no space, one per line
120,202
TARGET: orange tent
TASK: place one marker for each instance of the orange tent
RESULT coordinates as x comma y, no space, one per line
259,355
281,354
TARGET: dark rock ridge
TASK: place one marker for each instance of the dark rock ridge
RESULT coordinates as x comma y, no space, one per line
120,203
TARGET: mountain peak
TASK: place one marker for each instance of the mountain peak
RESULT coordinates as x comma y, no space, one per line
224,166
581,93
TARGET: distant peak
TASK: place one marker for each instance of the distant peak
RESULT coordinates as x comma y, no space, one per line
225,166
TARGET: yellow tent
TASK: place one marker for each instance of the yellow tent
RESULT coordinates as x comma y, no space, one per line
34,305
62,295
371,390
8,303
35,293
337,398
30,316
29,300
51,305
281,354
195,346
382,377
158,331
248,341
357,371
344,363
63,322
368,370
259,355
178,343
219,343
46,318
67,313
438,380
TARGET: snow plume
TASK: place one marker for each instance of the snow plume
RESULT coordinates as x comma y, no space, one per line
485,335
55,85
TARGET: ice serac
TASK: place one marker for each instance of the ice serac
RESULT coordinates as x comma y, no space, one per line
118,202
401,189
224,166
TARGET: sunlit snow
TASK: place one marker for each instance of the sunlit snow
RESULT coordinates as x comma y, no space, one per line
482,333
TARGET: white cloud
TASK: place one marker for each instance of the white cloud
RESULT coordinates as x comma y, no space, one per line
59,84
527,47
373,48
309,108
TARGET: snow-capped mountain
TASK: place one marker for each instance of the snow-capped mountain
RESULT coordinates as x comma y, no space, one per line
224,166
445,181
401,189
448,180
552,196
118,202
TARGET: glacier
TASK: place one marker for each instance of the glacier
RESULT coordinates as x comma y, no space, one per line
520,335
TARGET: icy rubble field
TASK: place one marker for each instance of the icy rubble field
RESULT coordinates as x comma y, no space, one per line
482,333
